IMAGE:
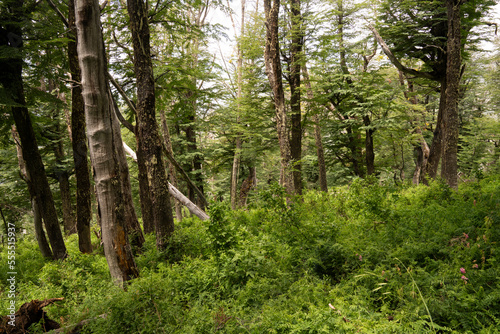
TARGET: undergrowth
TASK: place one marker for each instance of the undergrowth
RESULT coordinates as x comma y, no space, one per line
364,258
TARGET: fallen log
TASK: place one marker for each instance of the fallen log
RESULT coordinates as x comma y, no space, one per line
174,192
27,315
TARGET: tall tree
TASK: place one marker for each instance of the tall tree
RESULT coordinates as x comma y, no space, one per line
297,37
13,14
102,142
274,73
79,140
450,120
149,142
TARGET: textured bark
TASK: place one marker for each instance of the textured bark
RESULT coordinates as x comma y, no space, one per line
274,74
102,143
449,168
134,230
37,219
27,315
171,167
11,79
79,142
147,127
295,95
317,135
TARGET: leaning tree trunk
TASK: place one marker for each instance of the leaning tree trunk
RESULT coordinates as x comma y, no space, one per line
102,143
12,81
79,142
147,127
37,219
273,69
449,168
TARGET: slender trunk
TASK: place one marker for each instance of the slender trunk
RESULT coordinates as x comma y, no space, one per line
237,151
43,245
369,149
273,69
449,168
12,81
323,185
295,96
79,142
103,147
171,168
147,127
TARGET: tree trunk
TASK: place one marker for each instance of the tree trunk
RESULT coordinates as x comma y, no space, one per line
273,69
369,149
12,81
134,231
102,143
237,151
147,127
171,168
323,185
295,96
37,219
430,170
449,168
79,142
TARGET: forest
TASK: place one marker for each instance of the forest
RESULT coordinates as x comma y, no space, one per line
248,166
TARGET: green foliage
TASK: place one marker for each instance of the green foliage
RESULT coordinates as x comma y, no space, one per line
366,257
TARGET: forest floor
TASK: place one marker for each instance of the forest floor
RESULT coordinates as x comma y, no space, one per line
365,258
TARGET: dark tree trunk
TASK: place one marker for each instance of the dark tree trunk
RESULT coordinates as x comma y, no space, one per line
37,219
147,127
248,184
11,79
79,142
195,166
449,168
274,73
295,96
369,148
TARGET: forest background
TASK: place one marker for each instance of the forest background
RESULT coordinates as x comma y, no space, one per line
321,127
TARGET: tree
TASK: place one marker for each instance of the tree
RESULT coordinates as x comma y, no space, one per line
419,30
13,14
149,142
274,73
103,142
79,140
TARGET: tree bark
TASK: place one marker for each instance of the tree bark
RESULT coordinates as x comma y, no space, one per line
171,168
102,143
134,231
295,95
12,81
41,239
147,127
369,149
323,185
79,141
274,74
449,168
